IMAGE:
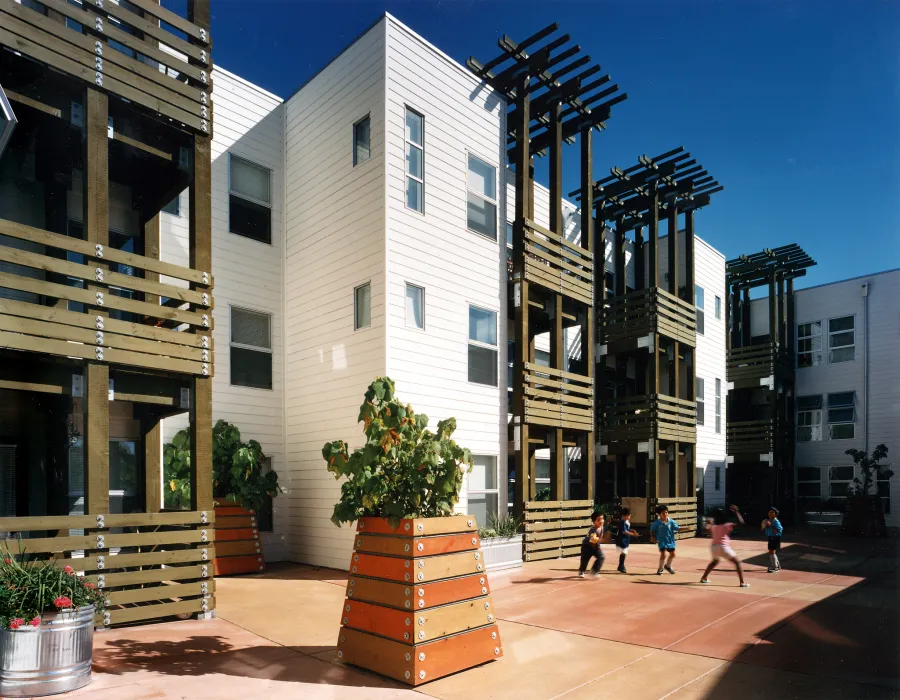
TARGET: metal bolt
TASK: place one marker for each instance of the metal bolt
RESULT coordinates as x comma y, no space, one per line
421,603
477,556
347,608
421,656
483,590
345,620
406,577
354,570
343,638
406,636
487,606
496,651
406,591
355,557
421,621
469,523
407,622
490,618
493,635
406,526
408,656
421,591
421,527
422,634
420,576
421,564
481,580
406,604
340,654
420,546
406,675
406,563
352,582
406,547
474,541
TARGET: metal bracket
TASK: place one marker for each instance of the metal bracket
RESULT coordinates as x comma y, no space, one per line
101,581
101,542
101,561
601,349
100,520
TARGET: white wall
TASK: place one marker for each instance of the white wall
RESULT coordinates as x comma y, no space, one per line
247,273
435,249
335,240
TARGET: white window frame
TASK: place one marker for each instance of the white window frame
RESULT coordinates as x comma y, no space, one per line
814,418
814,337
831,423
255,348
700,398
356,160
818,483
421,147
496,491
479,344
841,347
268,204
701,325
832,481
412,324
718,407
357,327
495,201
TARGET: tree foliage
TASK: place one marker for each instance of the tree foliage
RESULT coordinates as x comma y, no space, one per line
404,469
872,469
237,469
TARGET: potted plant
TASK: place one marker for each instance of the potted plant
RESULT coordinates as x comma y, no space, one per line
864,514
404,470
46,627
501,543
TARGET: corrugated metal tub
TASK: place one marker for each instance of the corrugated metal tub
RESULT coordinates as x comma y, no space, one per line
52,658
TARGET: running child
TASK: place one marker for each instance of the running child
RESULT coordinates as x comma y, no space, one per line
721,544
663,531
773,530
590,547
623,538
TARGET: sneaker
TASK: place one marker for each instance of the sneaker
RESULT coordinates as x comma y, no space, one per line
622,570
704,580
659,572
580,574
770,570
670,569
745,585
595,574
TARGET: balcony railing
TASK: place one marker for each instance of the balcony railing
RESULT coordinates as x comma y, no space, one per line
558,399
750,437
755,362
124,48
649,417
557,264
651,310
94,308
150,565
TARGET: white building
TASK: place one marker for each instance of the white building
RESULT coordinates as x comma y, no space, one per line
357,233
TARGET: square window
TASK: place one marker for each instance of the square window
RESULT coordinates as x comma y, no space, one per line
361,140
415,306
251,348
362,306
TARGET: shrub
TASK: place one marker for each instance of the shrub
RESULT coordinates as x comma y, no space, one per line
403,470
496,526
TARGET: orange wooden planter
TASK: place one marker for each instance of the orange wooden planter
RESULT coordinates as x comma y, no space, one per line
238,546
418,603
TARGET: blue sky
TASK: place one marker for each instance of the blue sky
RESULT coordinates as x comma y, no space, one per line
793,106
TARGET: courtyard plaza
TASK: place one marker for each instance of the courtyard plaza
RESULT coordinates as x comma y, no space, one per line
826,626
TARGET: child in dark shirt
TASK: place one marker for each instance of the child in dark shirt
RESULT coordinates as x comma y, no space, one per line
623,538
590,547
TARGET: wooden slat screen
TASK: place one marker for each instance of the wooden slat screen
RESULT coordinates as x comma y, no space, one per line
682,510
555,529
651,310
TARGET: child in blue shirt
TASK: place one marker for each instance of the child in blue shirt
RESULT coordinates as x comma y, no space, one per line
773,530
623,538
663,531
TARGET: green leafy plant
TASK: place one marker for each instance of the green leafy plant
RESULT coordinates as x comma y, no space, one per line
29,589
237,469
403,470
872,470
542,494
497,526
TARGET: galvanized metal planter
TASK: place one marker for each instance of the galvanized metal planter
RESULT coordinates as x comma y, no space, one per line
53,658
502,552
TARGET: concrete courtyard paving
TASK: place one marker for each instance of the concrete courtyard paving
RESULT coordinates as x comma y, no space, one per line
828,626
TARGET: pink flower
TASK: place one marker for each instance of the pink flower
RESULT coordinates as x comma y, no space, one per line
36,622
63,602
90,585
16,624
69,570
7,561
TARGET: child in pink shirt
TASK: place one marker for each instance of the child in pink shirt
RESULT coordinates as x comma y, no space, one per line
721,544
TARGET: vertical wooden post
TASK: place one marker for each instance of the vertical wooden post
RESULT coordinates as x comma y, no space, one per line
675,479
791,334
673,249
690,277
588,332
558,471
523,339
639,262
653,242
619,251
151,427
782,313
151,250
746,333
773,310
96,228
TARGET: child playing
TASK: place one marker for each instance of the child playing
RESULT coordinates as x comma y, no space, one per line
663,531
590,547
721,544
773,529
623,538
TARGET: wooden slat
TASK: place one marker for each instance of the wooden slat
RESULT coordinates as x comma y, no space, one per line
532,378
557,396
234,549
549,554
232,521
540,369
86,248
531,505
169,17
170,573
44,545
240,565
237,534
152,612
161,593
584,256
111,562
34,104
111,326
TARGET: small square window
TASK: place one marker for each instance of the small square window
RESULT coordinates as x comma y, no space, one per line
415,306
362,306
361,140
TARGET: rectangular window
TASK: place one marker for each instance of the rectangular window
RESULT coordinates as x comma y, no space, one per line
809,418
361,148
415,306
718,478
718,308
701,402
415,161
809,482
482,346
839,480
509,247
809,344
482,193
841,339
251,348
483,492
718,405
173,207
698,302
362,306
842,415
250,200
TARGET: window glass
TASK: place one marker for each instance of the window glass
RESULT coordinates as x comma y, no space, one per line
482,360
362,306
249,207
413,160
809,344
809,418
718,308
482,325
701,402
482,195
249,180
698,296
415,306
718,405
842,415
173,207
482,177
698,302
414,127
415,166
361,148
841,339
251,349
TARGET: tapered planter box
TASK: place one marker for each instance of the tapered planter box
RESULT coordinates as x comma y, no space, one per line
238,547
502,552
418,603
